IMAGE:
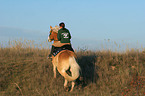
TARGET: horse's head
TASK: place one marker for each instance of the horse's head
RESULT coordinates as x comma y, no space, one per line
53,33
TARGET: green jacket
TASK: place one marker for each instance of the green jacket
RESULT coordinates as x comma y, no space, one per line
64,35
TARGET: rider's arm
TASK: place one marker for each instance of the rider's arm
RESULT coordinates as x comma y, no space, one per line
69,35
59,36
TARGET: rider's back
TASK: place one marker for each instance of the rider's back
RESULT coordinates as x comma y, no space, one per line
64,35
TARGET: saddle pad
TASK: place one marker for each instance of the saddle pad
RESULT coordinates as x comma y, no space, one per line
59,49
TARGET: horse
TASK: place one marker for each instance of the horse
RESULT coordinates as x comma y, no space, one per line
64,61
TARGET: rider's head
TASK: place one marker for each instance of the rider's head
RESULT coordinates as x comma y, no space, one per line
62,25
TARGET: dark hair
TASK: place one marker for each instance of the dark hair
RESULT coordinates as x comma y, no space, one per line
62,25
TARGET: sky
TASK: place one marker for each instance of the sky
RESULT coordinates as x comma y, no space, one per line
92,23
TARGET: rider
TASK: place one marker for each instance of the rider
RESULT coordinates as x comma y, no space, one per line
63,37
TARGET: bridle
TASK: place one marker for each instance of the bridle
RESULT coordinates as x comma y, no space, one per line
51,34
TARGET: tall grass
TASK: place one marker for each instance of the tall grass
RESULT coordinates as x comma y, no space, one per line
26,71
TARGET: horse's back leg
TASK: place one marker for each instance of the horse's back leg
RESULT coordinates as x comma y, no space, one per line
72,86
66,88
54,70
65,83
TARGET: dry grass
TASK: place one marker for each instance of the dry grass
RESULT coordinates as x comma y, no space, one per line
26,71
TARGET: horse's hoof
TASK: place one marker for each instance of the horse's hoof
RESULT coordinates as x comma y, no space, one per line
71,90
80,87
66,89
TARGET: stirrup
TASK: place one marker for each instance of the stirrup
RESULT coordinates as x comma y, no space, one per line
49,56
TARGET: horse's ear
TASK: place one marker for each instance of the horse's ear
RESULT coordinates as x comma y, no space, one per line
50,27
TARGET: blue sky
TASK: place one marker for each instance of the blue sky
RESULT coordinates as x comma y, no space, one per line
90,22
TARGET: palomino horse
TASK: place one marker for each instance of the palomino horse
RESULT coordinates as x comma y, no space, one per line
64,61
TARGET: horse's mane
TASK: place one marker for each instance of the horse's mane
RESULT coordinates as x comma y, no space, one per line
55,29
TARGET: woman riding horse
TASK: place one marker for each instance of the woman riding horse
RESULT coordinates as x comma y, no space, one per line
63,37
65,59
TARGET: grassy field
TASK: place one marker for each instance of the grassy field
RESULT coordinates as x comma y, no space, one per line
26,71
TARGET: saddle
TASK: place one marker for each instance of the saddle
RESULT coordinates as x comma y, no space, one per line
56,50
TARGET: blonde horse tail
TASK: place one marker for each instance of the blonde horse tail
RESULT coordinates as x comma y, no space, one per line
74,69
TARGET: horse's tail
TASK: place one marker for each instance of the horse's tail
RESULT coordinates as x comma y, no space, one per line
74,69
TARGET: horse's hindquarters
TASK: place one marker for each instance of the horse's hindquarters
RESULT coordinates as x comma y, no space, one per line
67,61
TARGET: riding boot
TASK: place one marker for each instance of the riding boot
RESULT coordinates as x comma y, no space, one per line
51,52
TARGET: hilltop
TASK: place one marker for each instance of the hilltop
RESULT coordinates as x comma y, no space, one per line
27,71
